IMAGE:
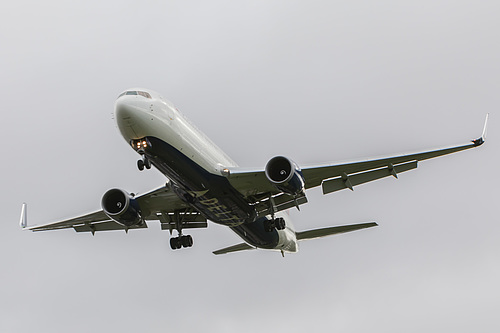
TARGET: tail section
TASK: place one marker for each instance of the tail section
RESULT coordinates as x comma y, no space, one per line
300,236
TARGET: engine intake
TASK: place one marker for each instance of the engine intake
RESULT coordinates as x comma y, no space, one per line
285,175
121,207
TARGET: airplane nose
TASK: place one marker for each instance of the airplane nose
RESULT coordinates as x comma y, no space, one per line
122,111
129,118
127,109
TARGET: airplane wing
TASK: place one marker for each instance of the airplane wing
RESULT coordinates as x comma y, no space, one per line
161,204
334,177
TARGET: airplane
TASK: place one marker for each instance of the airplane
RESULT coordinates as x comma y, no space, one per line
204,184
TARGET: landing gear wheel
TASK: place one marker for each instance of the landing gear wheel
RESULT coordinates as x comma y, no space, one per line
140,165
181,241
280,223
147,163
178,242
173,243
187,241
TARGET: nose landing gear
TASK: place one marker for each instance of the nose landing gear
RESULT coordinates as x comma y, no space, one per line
144,163
140,146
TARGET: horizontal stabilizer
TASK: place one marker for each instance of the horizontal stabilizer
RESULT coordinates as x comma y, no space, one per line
323,232
234,248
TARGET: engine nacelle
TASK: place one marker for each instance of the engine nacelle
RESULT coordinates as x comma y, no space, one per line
121,207
285,175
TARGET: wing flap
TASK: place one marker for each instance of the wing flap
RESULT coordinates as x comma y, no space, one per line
186,219
281,202
106,226
189,225
348,181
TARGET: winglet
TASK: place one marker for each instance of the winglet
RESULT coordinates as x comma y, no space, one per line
23,222
481,140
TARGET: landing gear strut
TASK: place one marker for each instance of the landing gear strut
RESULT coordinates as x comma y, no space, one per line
181,240
274,223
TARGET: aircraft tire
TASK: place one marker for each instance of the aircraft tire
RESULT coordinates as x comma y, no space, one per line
173,243
280,223
140,165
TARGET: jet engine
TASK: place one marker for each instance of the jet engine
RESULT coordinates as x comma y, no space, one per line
285,175
121,207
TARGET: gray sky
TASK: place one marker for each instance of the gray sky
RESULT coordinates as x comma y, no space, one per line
315,81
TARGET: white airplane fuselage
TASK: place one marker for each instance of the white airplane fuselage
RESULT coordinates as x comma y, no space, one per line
195,166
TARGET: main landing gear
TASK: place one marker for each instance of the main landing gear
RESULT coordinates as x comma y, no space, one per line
277,223
181,241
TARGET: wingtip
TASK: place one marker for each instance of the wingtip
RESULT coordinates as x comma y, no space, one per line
478,142
482,139
23,222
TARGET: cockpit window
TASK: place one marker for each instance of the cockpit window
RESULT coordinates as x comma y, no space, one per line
145,94
141,93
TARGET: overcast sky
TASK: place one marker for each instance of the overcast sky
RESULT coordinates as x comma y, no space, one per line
317,81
